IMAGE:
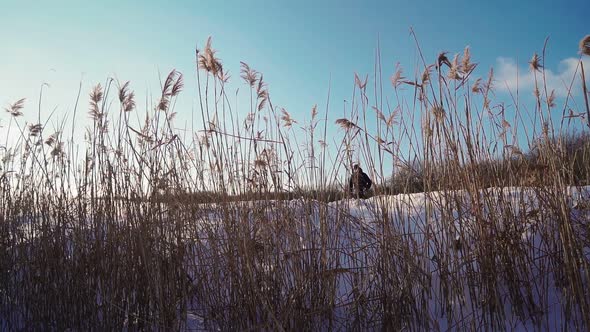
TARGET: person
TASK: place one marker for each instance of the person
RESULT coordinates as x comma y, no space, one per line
359,183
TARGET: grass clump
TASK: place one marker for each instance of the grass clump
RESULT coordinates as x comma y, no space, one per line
244,224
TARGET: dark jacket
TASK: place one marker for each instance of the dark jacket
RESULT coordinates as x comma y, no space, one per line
359,182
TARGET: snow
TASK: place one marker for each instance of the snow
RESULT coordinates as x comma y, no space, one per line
435,259
420,222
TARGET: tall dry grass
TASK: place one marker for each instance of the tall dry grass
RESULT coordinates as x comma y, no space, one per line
241,225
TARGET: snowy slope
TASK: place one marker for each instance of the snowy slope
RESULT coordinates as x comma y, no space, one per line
435,240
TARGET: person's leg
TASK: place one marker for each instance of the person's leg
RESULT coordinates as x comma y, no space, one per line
357,193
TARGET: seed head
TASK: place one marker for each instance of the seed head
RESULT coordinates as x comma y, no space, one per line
585,45
535,63
397,78
466,63
439,113
15,108
345,123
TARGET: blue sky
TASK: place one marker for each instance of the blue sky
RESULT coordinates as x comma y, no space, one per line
297,45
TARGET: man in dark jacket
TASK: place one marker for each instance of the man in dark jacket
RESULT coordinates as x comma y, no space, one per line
359,182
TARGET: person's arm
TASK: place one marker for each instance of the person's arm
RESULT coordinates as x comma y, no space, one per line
350,183
367,180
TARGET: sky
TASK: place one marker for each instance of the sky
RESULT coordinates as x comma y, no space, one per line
303,48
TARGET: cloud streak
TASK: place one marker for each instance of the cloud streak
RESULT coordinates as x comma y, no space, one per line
510,77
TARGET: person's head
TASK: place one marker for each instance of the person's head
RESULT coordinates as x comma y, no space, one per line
356,168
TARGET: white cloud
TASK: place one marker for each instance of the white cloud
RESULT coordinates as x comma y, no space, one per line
508,74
